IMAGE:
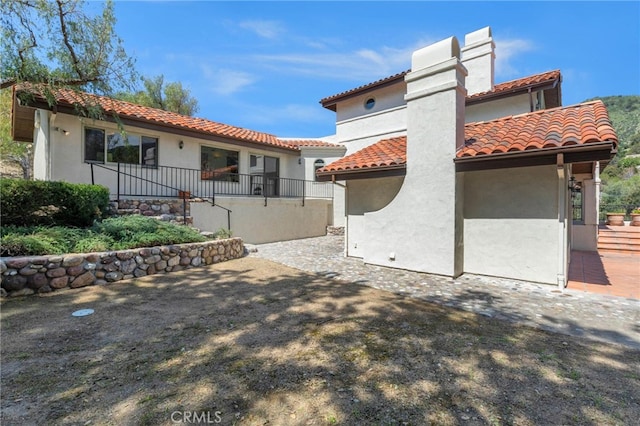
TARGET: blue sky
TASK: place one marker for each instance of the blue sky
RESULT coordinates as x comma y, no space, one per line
265,65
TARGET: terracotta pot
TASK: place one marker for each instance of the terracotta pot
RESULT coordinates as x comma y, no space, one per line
635,219
615,219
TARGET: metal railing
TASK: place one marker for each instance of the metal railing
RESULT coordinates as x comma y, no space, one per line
134,180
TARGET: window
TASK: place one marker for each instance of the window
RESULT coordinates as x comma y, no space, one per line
94,145
369,103
219,164
318,164
577,203
119,148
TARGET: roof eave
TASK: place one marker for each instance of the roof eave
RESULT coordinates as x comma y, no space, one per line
331,102
595,151
363,173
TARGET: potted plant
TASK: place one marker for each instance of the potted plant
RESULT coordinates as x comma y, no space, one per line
635,218
615,218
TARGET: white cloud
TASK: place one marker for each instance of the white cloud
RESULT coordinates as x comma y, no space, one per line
225,81
265,29
359,65
506,51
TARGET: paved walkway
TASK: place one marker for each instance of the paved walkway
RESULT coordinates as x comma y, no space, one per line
573,312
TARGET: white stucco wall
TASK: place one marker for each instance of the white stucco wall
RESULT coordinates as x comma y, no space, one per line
281,220
328,155
511,223
67,153
499,108
386,98
364,196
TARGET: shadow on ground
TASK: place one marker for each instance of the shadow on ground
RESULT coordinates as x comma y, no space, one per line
254,342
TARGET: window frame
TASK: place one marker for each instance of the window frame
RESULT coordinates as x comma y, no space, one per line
106,132
227,176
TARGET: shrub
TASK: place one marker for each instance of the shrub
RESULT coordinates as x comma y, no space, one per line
28,203
94,242
139,231
223,233
111,234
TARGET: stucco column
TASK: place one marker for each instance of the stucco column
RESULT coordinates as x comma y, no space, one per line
421,229
563,237
42,144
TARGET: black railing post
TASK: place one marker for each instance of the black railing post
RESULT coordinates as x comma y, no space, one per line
118,184
93,180
184,210
304,187
229,219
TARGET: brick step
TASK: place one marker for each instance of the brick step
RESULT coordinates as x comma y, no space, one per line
619,247
618,240
624,234
618,251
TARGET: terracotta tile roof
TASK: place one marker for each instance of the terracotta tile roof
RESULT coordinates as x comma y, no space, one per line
384,154
518,84
559,127
310,143
498,89
552,128
171,119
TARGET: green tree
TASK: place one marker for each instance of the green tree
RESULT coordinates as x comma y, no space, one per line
12,152
59,43
169,97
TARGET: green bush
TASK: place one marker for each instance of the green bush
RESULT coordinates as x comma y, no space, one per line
94,242
29,203
111,234
139,231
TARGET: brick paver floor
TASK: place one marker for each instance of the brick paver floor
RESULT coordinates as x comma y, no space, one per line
614,274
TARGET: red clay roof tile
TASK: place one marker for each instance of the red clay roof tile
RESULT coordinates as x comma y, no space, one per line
559,127
500,88
519,83
552,128
383,154
310,143
127,109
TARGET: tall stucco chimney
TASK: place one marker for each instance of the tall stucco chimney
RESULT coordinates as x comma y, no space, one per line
422,226
478,56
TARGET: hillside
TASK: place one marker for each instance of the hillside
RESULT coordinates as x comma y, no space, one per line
621,178
624,112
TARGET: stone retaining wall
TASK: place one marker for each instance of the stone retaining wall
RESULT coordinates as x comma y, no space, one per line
151,207
23,276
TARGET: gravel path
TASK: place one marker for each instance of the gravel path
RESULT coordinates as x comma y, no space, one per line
599,317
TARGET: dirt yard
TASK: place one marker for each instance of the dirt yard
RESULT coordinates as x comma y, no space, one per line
250,342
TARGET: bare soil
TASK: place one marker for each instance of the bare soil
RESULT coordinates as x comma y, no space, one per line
251,342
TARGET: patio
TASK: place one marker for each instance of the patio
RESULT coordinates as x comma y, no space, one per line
610,273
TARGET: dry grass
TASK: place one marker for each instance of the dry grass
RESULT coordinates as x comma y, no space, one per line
258,343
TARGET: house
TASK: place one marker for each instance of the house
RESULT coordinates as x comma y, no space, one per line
447,172
436,169
261,186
